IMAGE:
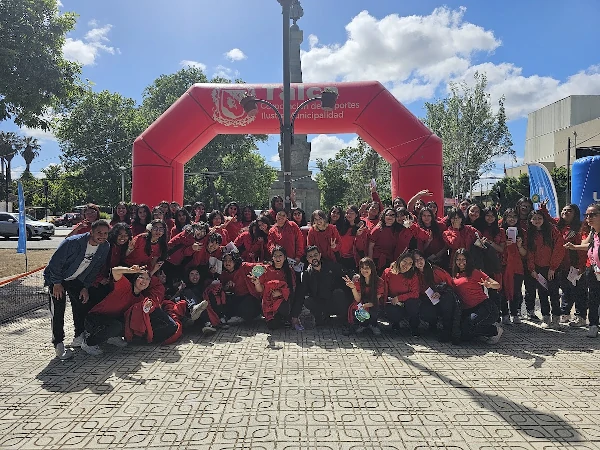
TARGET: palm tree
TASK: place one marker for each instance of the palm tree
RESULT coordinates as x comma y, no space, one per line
30,150
10,145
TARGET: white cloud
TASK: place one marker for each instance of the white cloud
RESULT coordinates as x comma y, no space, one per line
275,158
416,57
59,3
86,50
325,146
16,172
235,54
195,64
41,135
226,72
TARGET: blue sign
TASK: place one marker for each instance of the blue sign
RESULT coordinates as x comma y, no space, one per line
541,187
22,245
585,182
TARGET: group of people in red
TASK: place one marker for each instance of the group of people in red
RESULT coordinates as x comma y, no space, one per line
151,273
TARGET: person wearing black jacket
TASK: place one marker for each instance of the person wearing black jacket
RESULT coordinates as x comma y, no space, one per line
323,289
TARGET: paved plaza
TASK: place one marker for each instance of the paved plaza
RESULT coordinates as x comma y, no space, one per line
243,388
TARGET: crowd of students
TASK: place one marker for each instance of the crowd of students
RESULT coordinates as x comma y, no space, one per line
151,273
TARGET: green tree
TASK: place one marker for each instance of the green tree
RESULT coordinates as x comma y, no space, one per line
244,174
10,145
30,151
345,178
510,189
96,137
34,75
559,177
472,133
65,190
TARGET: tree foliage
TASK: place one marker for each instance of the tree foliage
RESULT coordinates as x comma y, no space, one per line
30,150
472,133
344,179
96,138
34,75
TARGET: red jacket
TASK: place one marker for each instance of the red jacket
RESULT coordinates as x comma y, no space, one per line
180,247
543,255
405,235
322,239
384,242
398,285
463,238
241,283
440,276
469,290
251,251
289,237
138,255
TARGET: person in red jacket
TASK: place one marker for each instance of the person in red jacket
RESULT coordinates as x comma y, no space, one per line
243,301
324,236
402,289
545,252
408,232
91,213
458,235
146,249
120,214
286,234
569,224
434,248
513,270
181,249
234,218
436,294
479,313
382,240
350,230
142,218
368,291
252,243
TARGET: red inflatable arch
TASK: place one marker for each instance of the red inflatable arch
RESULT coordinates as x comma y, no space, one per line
206,110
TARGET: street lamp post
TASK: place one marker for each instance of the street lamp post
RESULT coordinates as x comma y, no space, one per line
122,169
286,122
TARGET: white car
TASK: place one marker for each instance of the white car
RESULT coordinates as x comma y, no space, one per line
9,226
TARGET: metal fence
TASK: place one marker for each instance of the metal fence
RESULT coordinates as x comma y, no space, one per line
22,295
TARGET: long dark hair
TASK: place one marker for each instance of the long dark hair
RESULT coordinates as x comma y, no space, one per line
428,275
256,232
238,211
455,212
395,266
469,268
478,223
113,234
162,240
434,227
532,231
372,286
253,215
136,219
507,212
116,218
575,224
203,217
289,276
382,217
188,219
303,221
493,227
343,225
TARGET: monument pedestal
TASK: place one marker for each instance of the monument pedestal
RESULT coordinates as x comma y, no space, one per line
308,196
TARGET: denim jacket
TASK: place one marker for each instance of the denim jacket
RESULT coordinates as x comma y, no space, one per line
67,258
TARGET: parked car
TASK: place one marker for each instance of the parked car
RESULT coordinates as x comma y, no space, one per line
67,220
9,226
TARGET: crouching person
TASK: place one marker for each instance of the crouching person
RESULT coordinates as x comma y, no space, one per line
132,308
479,313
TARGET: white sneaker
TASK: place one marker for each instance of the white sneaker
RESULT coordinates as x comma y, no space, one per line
494,339
506,320
516,320
61,352
565,319
198,309
545,322
117,341
592,331
235,320
208,328
578,321
78,340
93,350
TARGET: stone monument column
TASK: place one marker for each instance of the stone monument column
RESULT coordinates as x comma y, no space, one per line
308,196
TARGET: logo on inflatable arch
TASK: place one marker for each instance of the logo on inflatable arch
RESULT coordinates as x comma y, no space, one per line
227,108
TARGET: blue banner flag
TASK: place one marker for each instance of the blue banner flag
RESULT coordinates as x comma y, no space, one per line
22,245
541,187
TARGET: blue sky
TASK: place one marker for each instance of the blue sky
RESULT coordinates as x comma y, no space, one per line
533,52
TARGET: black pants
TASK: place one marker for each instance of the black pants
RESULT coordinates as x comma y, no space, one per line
514,306
530,289
246,306
443,310
479,321
408,310
163,326
58,306
102,327
593,296
337,303
573,295
551,293
280,317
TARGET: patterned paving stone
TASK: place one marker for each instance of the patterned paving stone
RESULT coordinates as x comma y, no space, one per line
244,388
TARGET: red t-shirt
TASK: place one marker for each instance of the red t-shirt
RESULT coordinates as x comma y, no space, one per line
385,242
398,285
289,237
439,276
119,300
365,295
322,239
468,288
138,255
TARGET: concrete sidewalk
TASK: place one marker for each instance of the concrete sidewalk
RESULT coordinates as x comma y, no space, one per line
245,389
